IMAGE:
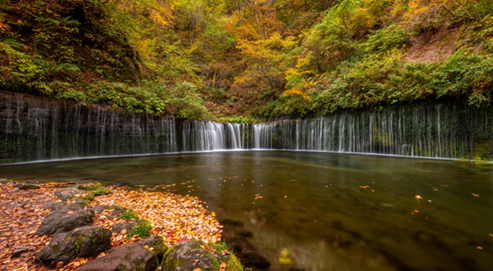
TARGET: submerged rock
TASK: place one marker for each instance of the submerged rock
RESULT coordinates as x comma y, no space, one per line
65,220
131,256
87,241
247,253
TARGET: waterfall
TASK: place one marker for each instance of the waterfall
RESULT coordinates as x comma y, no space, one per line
443,131
34,128
207,136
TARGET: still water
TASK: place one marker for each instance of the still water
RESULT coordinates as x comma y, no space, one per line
330,211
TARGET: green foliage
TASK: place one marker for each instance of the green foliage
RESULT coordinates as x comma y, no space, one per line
238,119
228,61
382,40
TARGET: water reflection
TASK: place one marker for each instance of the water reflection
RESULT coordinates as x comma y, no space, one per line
328,211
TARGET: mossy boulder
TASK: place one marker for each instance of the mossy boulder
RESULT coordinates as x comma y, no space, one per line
155,244
77,204
87,241
65,220
100,208
101,191
189,255
131,256
67,194
89,186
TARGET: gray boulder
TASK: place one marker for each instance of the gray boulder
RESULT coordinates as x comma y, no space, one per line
54,206
68,193
100,208
65,221
21,249
155,244
87,241
77,205
28,186
118,227
188,255
130,256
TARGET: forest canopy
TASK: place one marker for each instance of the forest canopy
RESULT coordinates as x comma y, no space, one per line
248,60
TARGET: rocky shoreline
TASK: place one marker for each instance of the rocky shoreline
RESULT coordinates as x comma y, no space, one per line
66,226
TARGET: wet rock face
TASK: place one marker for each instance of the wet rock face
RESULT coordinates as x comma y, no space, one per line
188,256
65,220
130,256
87,241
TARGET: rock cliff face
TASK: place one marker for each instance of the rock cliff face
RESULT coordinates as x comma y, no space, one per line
34,128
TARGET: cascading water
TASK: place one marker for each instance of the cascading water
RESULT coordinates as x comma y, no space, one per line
33,128
444,131
207,136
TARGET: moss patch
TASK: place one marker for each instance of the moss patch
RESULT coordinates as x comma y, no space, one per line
90,187
142,229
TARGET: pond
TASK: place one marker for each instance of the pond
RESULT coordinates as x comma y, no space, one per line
330,211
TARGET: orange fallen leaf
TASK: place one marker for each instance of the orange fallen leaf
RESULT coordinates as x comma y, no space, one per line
197,269
222,267
476,195
479,247
59,264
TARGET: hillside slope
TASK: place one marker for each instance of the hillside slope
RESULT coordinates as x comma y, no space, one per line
231,60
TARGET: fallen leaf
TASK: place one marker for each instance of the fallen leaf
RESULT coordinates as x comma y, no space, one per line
222,267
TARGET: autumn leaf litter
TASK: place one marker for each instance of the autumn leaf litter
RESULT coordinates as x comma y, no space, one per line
175,218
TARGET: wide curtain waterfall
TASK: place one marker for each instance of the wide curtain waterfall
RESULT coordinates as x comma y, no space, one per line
445,131
33,128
